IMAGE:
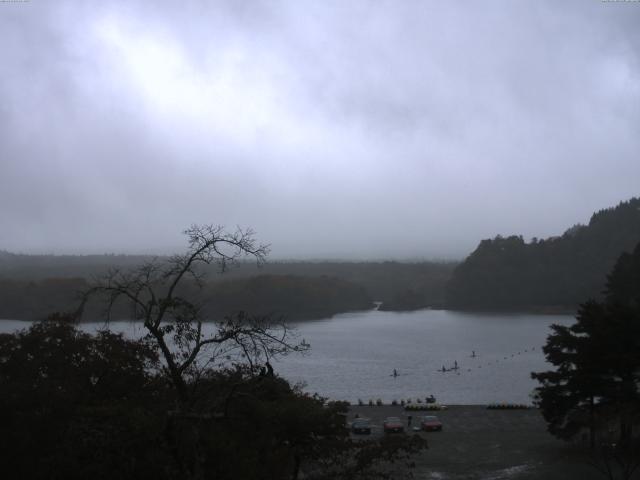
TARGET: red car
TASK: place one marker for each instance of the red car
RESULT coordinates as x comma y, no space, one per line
430,423
393,425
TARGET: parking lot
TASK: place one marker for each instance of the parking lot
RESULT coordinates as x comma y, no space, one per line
477,443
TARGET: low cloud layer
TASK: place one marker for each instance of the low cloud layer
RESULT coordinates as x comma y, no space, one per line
334,129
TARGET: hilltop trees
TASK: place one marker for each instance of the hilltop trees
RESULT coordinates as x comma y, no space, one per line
597,378
558,272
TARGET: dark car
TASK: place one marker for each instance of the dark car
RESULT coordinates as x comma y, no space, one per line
393,425
430,423
361,426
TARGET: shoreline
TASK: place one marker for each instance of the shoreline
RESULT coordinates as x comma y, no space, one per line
542,311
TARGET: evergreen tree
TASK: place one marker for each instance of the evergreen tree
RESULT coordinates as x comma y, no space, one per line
597,360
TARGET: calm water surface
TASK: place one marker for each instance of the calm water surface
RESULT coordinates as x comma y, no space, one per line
353,355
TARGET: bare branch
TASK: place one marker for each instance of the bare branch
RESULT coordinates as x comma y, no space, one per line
154,293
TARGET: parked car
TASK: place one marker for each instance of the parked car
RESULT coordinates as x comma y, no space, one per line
361,426
430,423
393,425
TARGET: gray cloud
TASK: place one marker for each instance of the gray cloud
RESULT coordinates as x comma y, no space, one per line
335,129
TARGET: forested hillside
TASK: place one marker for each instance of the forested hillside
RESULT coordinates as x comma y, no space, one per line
32,286
505,273
552,274
294,298
287,295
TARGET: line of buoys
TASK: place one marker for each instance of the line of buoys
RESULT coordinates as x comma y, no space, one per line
418,403
456,368
508,406
412,407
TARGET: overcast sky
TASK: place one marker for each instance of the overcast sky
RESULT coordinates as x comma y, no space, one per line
346,129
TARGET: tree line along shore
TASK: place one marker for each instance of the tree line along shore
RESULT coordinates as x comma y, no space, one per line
505,273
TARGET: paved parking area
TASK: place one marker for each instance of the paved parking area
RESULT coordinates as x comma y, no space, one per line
477,443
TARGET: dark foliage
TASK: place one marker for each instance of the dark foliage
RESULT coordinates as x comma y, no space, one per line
556,273
74,405
616,462
35,299
596,382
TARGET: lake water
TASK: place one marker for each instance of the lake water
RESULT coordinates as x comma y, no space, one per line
353,355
